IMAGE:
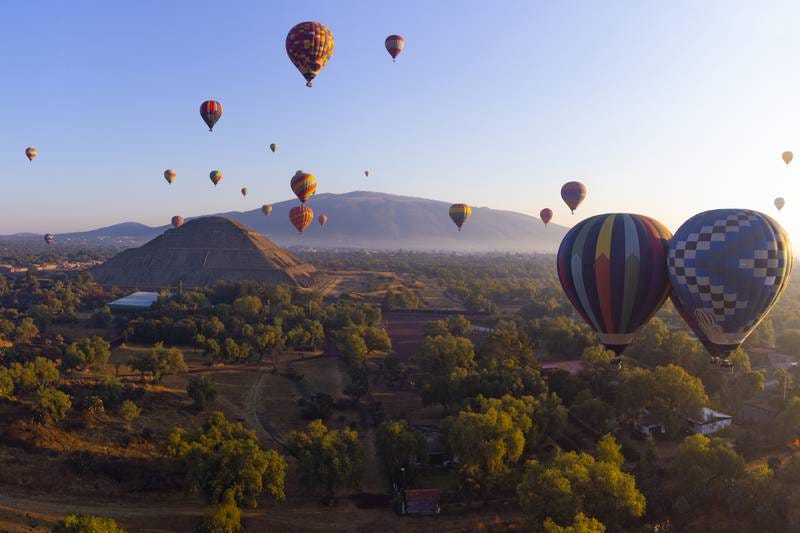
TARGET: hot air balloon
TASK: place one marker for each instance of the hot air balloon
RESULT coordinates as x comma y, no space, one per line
546,215
266,209
244,191
301,216
49,238
177,221
366,173
273,147
787,157
304,185
613,269
170,175
727,267
394,45
211,111
459,213
310,46
573,193
323,220
779,203
216,177
30,151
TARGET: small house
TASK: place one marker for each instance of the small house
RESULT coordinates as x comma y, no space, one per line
709,422
138,301
649,425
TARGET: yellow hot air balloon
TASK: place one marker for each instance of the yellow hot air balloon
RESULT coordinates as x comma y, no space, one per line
244,191
30,151
170,175
459,213
273,147
787,156
215,176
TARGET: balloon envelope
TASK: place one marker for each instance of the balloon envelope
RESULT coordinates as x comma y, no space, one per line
273,147
310,46
215,176
394,45
323,220
304,185
727,267
546,215
301,216
211,111
244,191
573,193
779,203
266,209
459,213
49,238
787,157
613,269
30,152
177,221
170,175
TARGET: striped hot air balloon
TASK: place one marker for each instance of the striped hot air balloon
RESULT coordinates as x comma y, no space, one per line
216,177
546,215
613,269
310,46
301,217
30,153
728,267
573,193
304,185
211,111
459,213
177,221
394,45
323,220
170,175
266,209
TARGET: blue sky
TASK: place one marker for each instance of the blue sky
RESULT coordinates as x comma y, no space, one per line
661,108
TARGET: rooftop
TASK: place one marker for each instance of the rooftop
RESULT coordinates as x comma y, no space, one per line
137,300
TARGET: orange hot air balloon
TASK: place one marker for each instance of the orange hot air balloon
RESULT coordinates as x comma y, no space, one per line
170,175
304,185
310,46
301,217
323,220
573,193
211,111
266,209
244,191
177,221
216,177
546,215
787,157
459,213
31,152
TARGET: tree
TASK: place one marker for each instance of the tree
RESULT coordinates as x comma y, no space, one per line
226,517
787,423
649,344
6,383
354,349
597,369
79,523
87,353
225,460
248,307
26,331
376,339
609,451
506,346
102,317
399,447
327,458
705,469
441,355
201,390
159,361
129,411
581,524
51,405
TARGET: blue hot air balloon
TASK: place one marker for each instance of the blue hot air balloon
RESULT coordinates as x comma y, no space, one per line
728,267
613,269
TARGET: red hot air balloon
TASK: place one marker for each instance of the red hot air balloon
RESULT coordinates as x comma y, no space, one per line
573,193
177,221
304,185
301,217
211,111
613,269
310,46
394,45
546,215
323,220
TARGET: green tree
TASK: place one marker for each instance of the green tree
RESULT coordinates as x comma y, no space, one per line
160,361
201,390
129,411
51,405
441,355
80,523
580,524
26,331
6,383
376,339
87,353
327,458
400,447
225,517
248,307
609,451
705,469
224,458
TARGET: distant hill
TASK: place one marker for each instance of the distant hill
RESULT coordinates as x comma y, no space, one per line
373,220
201,252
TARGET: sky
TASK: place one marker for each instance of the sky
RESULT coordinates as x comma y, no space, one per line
660,108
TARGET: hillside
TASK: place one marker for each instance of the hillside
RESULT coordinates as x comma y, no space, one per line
375,220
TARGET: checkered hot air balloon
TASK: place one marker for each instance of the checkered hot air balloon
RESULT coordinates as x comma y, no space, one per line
310,46
728,267
459,213
301,217
546,215
394,45
613,269
211,111
573,193
304,185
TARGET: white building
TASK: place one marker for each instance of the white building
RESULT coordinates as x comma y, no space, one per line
710,422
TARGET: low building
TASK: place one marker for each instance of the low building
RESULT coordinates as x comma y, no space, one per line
649,425
709,422
757,412
420,502
138,301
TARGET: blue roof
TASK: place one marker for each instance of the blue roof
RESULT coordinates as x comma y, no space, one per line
137,300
